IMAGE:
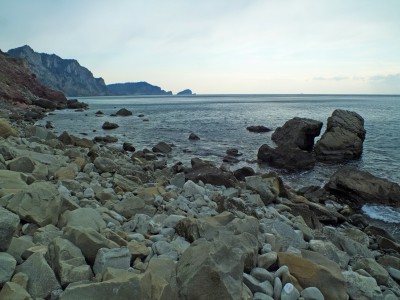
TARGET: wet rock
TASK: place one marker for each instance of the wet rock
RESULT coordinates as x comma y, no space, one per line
233,152
39,203
75,104
8,224
230,159
105,139
109,126
162,147
258,129
128,147
355,188
123,112
343,138
193,137
285,157
242,173
297,132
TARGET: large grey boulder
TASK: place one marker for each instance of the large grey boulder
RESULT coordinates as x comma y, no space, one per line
42,280
216,273
269,187
357,188
39,203
373,268
68,262
362,287
11,182
21,164
104,164
297,132
343,138
118,258
8,224
7,267
85,217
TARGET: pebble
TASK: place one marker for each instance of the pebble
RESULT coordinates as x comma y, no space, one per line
289,292
312,293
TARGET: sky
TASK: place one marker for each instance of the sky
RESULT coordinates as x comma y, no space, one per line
219,46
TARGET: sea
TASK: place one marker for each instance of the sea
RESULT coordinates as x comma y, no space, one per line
221,120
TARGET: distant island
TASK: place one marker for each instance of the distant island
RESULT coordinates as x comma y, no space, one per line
135,88
74,80
185,92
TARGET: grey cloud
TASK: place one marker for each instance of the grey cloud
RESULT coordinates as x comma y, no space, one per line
389,77
335,78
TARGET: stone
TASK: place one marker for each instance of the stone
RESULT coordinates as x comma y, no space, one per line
297,132
373,268
362,287
217,267
258,128
312,293
85,217
18,246
42,280
194,137
138,249
257,287
109,126
262,275
330,251
118,258
243,172
108,139
314,270
128,147
394,273
343,138
277,288
268,187
190,189
287,237
38,203
356,188
13,291
88,240
68,262
267,260
286,157
124,183
104,164
6,129
8,225
131,206
163,283
162,147
7,151
7,267
123,112
289,292
11,182
21,164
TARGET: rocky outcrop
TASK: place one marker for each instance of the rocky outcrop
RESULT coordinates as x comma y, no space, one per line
135,88
64,75
20,87
357,188
185,92
343,138
298,133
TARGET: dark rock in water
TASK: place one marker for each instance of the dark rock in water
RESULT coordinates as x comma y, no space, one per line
233,152
141,115
75,104
207,173
297,132
109,125
258,129
123,112
242,173
105,139
357,188
230,159
49,125
128,147
343,138
185,92
193,137
286,158
162,147
99,112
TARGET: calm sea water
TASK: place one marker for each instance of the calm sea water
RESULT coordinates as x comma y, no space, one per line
221,120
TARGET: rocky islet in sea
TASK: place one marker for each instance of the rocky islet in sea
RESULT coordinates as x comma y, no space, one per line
102,223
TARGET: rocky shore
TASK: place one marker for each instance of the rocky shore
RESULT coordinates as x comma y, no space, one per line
81,220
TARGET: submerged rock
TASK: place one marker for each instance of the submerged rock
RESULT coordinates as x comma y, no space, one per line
109,126
258,129
123,112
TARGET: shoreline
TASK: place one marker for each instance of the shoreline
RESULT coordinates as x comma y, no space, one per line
134,220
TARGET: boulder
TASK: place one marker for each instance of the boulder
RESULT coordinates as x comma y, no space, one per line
75,104
21,164
130,206
242,173
39,203
286,157
343,138
297,132
268,186
362,287
40,132
128,147
162,147
67,261
11,182
207,173
286,236
42,280
193,137
373,268
356,188
123,112
104,164
7,267
85,217
258,129
14,291
7,151
216,273
118,258
312,269
8,225
109,126
105,139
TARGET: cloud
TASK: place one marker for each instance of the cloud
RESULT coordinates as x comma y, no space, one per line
335,78
389,77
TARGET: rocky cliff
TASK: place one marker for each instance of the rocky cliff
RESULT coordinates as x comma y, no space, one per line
65,75
135,88
19,87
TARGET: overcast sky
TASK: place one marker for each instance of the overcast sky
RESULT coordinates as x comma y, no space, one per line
219,46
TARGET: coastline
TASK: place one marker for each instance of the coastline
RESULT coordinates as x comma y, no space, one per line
133,220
